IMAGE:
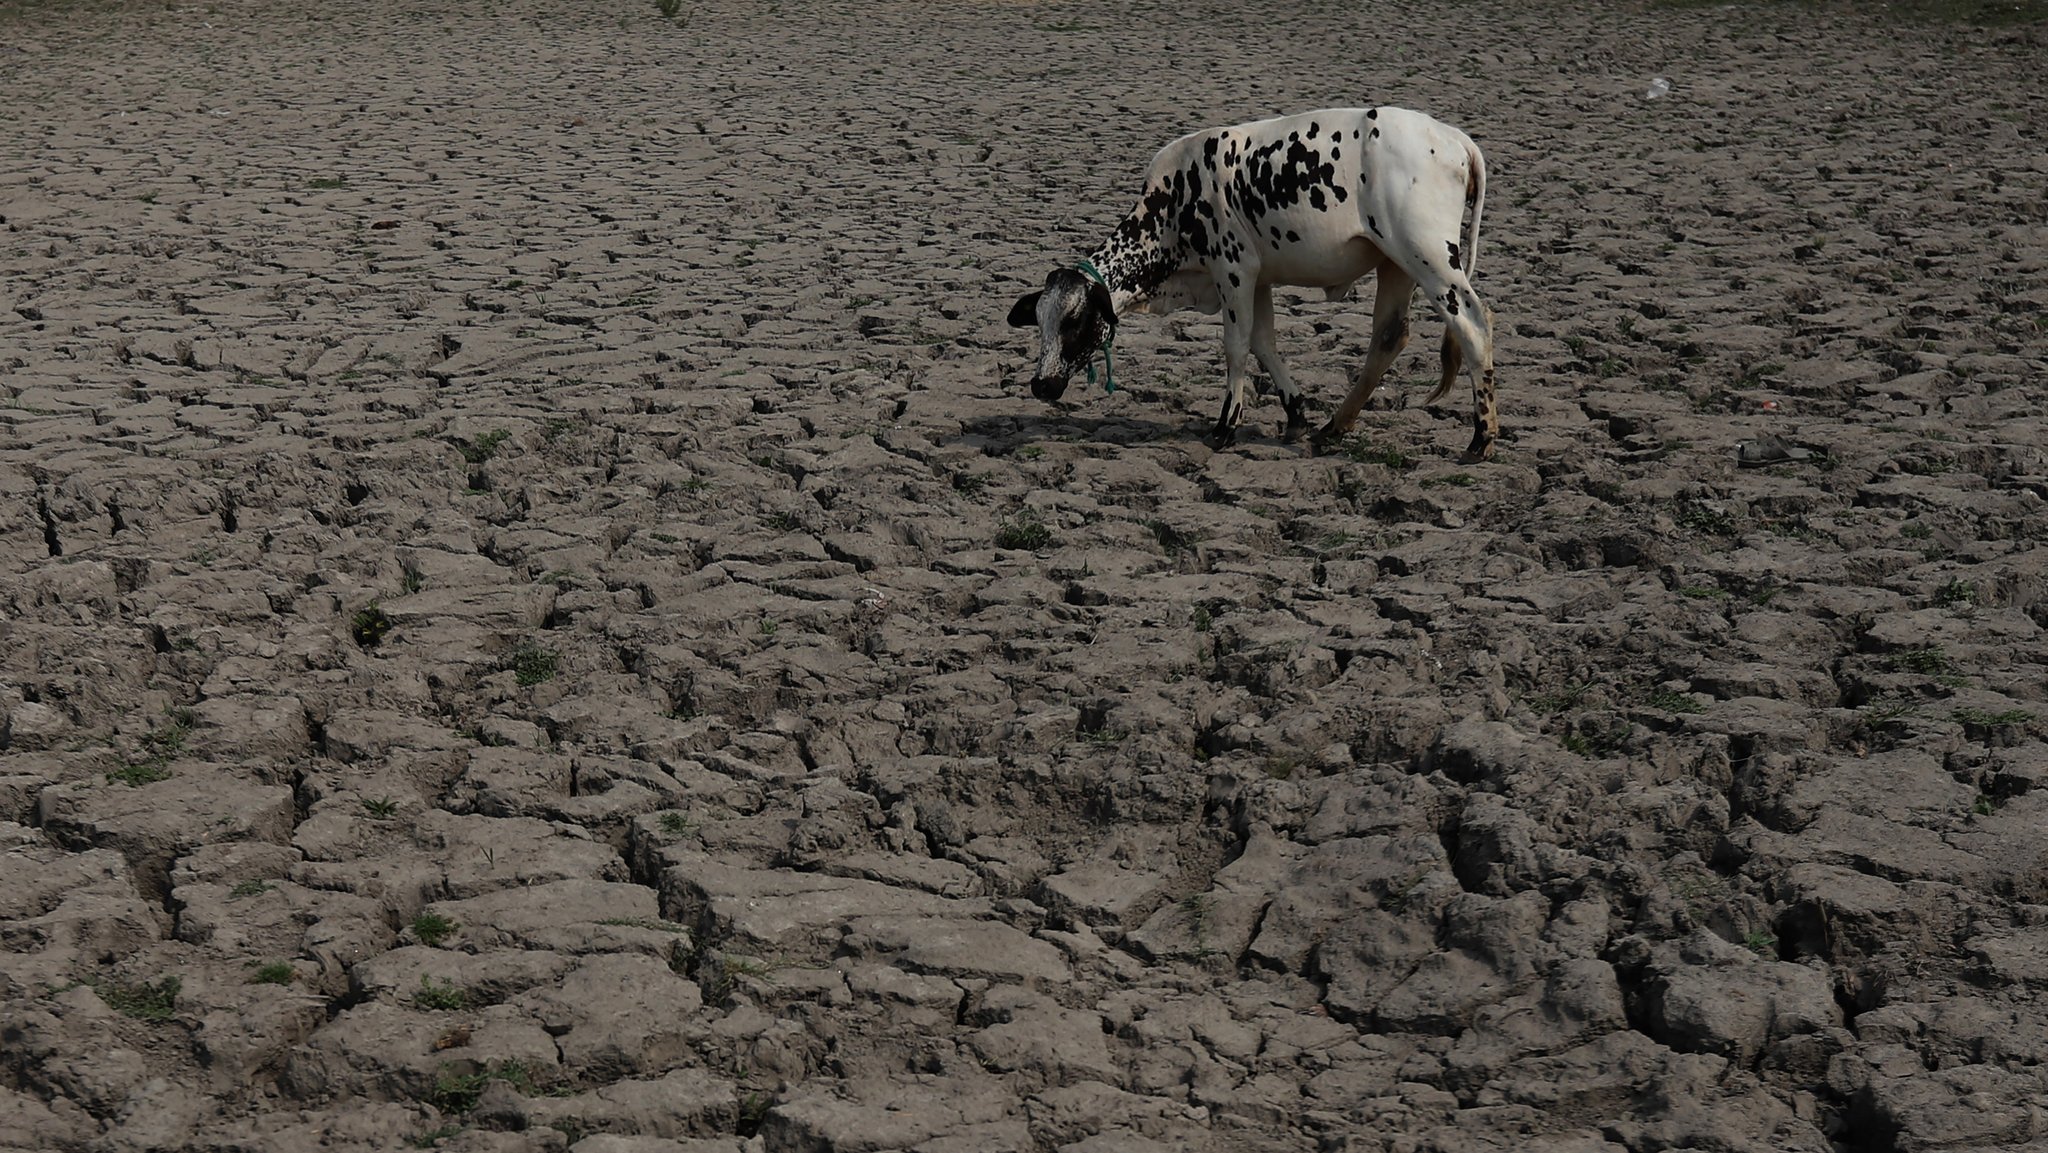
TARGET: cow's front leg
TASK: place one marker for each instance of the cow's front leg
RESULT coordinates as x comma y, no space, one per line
1268,353
1237,354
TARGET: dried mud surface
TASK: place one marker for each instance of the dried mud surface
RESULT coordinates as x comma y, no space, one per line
535,615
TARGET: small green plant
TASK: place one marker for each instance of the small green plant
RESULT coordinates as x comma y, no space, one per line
380,808
1199,913
274,973
415,580
1696,516
1026,532
676,824
1914,530
458,1092
249,889
769,626
654,924
326,183
160,748
145,773
753,1109
1030,452
369,626
784,522
1761,943
445,996
1955,593
1103,737
1673,702
532,664
1886,709
155,1003
485,447
1985,805
432,929
1987,719
1202,619
1364,451
1568,697
970,483
1928,661
429,1138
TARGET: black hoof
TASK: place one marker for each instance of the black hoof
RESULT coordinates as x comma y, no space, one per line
1297,422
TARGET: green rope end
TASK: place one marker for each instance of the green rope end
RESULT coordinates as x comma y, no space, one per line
1108,369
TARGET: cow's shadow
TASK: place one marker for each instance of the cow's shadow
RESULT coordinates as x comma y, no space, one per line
1003,434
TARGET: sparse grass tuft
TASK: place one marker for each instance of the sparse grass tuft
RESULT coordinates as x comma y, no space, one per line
433,928
379,808
1928,661
1673,702
1696,516
156,1003
1026,532
1761,943
369,626
458,1092
1987,719
532,664
161,747
1364,451
274,973
676,824
444,996
485,447
1955,593
249,889
429,1138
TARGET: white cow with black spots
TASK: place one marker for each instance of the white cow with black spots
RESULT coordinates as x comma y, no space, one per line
1316,200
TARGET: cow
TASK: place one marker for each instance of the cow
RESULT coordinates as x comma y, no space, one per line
1316,200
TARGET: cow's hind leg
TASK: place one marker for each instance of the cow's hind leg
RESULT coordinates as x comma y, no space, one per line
1389,336
1268,353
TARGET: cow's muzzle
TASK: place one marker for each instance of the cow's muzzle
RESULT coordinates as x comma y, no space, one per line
1048,388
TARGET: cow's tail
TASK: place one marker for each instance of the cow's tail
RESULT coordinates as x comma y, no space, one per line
1475,195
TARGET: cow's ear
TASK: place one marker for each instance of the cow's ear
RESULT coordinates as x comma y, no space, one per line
1099,297
1024,314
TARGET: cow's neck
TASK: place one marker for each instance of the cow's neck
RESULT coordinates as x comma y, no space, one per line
1135,260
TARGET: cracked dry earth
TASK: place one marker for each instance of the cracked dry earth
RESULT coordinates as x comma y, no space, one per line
531,616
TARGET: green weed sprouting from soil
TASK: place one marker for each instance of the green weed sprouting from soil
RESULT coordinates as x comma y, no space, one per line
445,996
1362,450
274,973
155,1003
160,748
1673,702
369,626
1025,532
458,1092
1987,719
433,928
1927,661
249,889
532,664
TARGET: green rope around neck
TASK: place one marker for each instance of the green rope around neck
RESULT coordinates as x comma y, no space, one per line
1108,371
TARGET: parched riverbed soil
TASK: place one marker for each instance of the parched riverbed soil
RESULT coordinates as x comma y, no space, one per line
536,611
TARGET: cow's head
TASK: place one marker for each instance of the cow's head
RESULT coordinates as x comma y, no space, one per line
1074,317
